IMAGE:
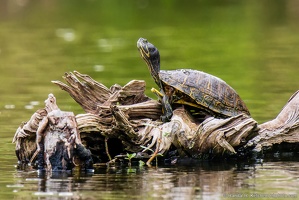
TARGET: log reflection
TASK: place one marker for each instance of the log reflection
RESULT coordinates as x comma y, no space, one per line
193,181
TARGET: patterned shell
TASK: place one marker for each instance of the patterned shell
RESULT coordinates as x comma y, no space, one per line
206,90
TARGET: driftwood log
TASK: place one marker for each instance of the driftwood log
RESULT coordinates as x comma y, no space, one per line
120,119
51,137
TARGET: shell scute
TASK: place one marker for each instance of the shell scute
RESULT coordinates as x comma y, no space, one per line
206,90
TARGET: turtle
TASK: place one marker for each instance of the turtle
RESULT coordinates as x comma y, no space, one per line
196,89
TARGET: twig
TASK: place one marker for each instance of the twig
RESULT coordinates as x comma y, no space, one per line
148,163
107,149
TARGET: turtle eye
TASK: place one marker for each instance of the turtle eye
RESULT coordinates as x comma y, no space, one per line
151,50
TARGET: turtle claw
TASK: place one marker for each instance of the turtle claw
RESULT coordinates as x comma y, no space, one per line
166,118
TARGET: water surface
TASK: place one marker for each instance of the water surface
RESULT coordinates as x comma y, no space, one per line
252,45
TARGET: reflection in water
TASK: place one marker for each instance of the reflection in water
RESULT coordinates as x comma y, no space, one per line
187,180
199,181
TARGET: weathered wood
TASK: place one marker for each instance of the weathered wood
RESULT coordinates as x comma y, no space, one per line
283,129
52,137
123,119
213,135
90,94
25,136
79,90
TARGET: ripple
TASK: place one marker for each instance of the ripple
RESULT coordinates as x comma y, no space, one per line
34,103
105,45
65,194
45,193
29,107
59,194
15,186
98,68
67,34
9,106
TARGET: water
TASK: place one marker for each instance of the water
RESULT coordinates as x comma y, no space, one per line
196,181
252,45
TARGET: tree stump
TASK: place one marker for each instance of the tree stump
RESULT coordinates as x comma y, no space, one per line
123,119
51,136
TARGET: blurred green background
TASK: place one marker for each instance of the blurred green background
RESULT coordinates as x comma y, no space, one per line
252,45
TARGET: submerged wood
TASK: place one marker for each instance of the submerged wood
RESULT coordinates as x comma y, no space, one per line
123,119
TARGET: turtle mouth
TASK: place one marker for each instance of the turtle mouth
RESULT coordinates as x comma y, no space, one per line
143,47
141,42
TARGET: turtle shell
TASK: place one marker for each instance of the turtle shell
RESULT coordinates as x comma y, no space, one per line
207,91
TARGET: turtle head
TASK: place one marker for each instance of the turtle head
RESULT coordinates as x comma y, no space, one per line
151,56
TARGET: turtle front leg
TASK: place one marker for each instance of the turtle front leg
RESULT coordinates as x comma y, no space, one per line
166,106
167,109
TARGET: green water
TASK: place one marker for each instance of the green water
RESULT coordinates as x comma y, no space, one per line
252,45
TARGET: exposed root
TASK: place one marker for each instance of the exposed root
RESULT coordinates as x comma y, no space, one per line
128,116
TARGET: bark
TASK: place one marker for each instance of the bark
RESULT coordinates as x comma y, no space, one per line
283,129
51,138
